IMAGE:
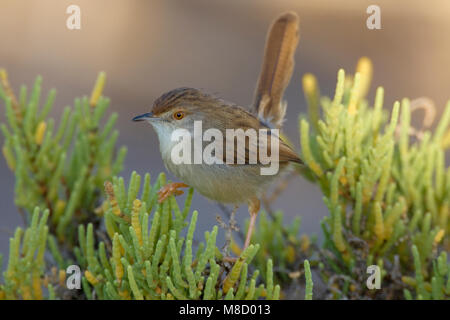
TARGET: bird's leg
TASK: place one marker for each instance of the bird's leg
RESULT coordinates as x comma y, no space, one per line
253,209
170,189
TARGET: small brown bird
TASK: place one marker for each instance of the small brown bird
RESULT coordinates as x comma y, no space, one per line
240,180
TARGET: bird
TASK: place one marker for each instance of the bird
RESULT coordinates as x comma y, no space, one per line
234,176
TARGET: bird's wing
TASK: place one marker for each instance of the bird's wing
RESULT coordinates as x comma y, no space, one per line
257,149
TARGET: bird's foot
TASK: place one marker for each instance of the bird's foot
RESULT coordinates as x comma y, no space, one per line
170,189
230,259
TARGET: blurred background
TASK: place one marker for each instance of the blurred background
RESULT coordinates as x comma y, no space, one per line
150,47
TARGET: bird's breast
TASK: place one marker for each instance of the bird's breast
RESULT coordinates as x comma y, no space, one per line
221,182
234,184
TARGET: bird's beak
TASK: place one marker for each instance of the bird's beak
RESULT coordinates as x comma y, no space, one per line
145,116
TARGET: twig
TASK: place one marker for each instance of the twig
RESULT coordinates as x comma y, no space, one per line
229,213
229,228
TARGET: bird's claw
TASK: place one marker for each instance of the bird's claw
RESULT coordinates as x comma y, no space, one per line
170,189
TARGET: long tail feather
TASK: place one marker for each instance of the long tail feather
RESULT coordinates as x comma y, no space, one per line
278,64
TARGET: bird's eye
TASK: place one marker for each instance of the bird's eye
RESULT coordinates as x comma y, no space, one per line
178,115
